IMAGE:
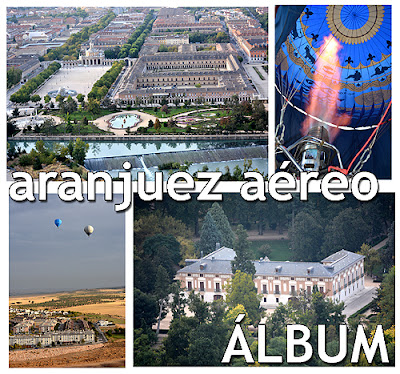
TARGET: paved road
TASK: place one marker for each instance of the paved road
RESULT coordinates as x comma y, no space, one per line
359,300
261,85
381,244
102,336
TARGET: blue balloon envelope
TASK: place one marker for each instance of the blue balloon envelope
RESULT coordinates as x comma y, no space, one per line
365,74
58,222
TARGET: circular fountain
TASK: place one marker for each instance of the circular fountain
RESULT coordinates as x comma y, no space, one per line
124,121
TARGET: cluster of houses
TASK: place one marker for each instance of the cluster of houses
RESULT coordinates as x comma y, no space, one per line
30,328
249,35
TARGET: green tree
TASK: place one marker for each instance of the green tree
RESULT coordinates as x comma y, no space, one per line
259,116
386,254
223,225
161,288
157,124
158,223
70,105
243,261
11,129
144,354
198,307
59,99
385,300
371,258
78,150
232,313
177,342
15,112
178,300
207,344
35,98
81,98
209,235
347,230
93,106
241,290
14,75
305,236
145,309
157,250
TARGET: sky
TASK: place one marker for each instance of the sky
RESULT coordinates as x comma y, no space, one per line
44,258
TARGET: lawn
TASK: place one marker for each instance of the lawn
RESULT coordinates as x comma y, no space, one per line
171,112
280,250
73,129
163,130
218,113
79,115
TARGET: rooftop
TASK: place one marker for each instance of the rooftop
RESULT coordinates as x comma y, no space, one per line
219,261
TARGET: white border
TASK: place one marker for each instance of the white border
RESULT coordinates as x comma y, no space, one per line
385,186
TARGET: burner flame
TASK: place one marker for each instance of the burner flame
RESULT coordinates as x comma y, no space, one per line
324,93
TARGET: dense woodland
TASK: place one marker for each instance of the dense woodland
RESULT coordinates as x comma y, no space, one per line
167,232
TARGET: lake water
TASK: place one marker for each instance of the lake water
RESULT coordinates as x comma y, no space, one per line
99,149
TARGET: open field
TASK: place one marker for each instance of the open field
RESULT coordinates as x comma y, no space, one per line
18,300
100,301
114,308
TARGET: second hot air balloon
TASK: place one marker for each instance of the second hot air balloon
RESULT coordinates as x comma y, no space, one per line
88,230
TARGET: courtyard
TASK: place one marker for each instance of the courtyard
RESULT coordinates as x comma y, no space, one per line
81,79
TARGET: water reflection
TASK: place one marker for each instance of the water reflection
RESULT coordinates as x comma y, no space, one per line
112,149
109,149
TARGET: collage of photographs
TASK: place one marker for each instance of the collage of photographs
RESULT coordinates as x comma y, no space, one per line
110,95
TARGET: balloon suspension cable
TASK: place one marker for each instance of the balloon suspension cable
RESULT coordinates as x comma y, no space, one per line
362,159
285,100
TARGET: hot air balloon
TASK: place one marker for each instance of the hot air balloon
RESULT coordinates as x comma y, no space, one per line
88,230
58,222
333,88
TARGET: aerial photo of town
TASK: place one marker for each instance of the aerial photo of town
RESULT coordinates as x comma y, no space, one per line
198,265
67,285
164,88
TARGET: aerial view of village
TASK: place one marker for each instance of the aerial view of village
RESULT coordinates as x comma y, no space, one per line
164,88
67,285
199,265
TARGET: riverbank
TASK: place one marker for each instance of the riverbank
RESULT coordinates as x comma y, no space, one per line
134,137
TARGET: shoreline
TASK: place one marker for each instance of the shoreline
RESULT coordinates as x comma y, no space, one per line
130,137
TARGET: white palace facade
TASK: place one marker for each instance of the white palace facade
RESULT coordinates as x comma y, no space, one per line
337,276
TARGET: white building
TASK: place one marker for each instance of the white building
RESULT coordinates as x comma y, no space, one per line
338,276
53,338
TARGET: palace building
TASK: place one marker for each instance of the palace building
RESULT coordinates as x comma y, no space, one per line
213,76
337,276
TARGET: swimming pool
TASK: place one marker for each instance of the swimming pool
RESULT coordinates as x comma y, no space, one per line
124,121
